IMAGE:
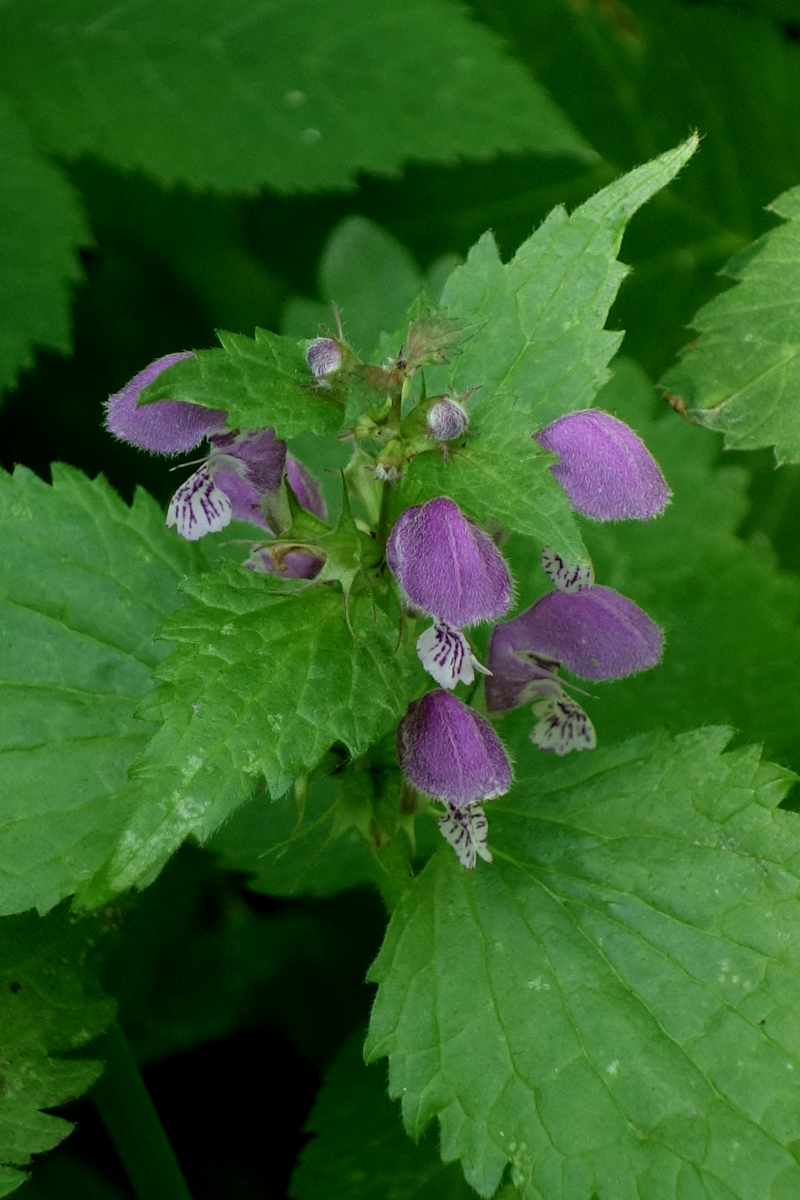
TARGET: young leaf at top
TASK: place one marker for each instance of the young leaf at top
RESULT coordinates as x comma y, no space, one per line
260,683
241,97
742,375
84,583
41,228
50,1006
538,350
610,1007
730,615
359,1150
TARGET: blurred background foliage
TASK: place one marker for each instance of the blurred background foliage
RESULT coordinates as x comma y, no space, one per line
170,169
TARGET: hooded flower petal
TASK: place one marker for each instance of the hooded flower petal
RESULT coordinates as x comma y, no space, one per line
257,456
451,752
165,427
447,566
596,633
323,356
604,467
562,726
199,507
305,487
467,831
567,577
447,655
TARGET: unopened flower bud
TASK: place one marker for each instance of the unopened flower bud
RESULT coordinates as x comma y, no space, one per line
451,752
324,356
447,420
447,566
166,426
604,467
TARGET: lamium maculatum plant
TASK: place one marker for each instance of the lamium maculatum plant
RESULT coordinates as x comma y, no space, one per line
421,630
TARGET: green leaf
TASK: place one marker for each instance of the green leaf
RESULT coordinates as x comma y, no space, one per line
610,1006
259,684
84,582
284,856
260,381
540,348
245,96
742,375
730,615
359,1151
50,1004
503,474
41,227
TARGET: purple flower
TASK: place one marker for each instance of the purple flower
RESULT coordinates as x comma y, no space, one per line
305,487
241,468
604,467
451,752
596,633
447,566
165,427
323,356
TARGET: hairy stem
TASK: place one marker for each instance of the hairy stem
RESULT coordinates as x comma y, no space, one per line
132,1122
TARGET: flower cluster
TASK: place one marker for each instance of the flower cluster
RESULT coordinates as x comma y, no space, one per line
449,569
239,477
445,566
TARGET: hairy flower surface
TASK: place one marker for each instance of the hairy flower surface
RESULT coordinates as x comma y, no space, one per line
595,633
447,420
604,467
323,356
447,566
451,752
166,426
